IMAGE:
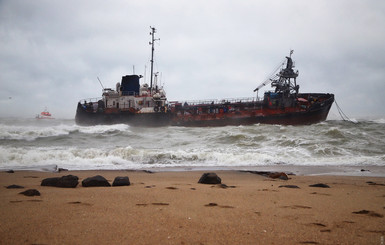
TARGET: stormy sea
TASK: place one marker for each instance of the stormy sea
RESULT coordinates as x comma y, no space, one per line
355,148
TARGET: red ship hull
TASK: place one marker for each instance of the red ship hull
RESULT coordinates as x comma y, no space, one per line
213,115
258,112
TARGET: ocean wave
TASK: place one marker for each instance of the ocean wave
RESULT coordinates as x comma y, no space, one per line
132,158
103,129
335,132
31,133
67,145
380,120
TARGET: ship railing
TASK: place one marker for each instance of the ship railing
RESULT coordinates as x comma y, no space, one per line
93,100
215,101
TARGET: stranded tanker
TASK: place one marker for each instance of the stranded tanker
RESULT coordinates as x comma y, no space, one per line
147,105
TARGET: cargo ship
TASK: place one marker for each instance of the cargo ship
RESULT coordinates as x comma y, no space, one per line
146,105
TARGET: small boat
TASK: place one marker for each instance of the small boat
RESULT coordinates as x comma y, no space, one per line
147,105
44,115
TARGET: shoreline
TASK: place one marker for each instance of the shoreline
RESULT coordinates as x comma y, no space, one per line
171,207
301,170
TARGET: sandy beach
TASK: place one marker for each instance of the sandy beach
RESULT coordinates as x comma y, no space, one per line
173,208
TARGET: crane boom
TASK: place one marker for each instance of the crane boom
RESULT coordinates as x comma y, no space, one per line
273,76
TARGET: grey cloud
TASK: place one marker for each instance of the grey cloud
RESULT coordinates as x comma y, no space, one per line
52,51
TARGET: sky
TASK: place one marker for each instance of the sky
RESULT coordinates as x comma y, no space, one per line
53,52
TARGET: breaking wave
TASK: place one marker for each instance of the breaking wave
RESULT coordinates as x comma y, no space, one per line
31,133
62,143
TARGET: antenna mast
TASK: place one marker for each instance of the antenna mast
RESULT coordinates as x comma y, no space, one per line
152,33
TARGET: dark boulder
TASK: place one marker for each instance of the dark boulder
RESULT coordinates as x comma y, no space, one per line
15,187
10,171
50,181
320,185
30,192
68,181
210,178
121,181
95,181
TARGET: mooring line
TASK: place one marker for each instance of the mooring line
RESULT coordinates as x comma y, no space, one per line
342,114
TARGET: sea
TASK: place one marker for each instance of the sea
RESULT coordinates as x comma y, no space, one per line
328,147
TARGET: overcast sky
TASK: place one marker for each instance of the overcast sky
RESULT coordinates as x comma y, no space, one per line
51,52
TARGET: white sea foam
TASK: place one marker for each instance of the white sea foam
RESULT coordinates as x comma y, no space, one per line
381,120
101,129
30,133
67,145
130,158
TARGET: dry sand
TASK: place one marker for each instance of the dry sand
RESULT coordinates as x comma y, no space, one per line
172,208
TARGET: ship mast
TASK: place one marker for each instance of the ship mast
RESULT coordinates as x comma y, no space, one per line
152,33
284,83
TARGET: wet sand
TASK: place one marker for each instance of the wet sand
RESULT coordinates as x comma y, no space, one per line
172,208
